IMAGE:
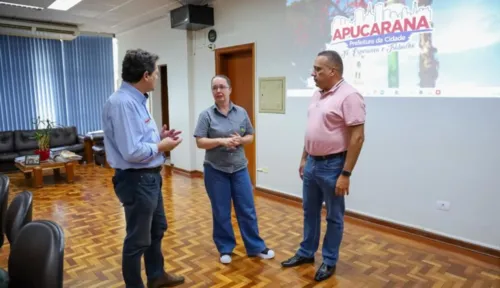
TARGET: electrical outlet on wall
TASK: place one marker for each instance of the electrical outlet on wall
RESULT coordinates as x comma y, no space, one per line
443,205
265,170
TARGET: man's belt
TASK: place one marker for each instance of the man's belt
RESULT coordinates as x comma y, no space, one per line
144,170
330,156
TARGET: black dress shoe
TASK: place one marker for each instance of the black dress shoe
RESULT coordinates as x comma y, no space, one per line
296,261
324,272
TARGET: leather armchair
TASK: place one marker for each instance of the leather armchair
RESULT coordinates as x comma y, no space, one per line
99,152
4,200
95,148
7,151
36,258
19,213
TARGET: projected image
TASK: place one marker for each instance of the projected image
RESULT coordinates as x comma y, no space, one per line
422,48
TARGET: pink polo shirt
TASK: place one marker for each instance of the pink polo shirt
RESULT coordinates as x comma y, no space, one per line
329,114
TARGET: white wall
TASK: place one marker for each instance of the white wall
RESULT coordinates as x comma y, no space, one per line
417,151
155,103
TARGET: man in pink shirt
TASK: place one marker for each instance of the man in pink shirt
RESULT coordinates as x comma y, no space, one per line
333,141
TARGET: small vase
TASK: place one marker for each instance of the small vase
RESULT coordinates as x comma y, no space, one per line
44,154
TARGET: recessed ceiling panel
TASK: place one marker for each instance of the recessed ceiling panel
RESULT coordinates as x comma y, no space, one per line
39,3
131,8
106,16
91,10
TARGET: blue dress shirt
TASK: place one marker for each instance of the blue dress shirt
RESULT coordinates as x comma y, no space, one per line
130,133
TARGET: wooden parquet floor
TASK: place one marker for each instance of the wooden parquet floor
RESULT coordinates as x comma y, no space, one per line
93,222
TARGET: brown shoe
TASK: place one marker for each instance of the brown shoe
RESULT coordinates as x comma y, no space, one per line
167,280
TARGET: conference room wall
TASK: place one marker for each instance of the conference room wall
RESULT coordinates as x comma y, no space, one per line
418,150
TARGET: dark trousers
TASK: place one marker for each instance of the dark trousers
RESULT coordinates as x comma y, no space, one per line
221,189
320,179
140,194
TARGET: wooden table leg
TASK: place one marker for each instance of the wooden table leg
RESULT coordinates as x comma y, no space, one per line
70,171
37,177
88,152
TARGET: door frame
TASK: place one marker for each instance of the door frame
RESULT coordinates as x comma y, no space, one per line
219,55
165,116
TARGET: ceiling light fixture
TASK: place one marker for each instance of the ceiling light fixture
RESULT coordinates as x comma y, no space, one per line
20,5
63,5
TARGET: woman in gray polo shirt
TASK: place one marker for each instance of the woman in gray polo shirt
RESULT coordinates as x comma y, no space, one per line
222,130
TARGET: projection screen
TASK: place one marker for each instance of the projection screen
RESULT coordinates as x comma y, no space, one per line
398,48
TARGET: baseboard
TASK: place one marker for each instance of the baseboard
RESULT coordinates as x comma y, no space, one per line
403,230
483,253
193,174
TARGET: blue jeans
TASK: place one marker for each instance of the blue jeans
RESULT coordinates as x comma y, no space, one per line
221,188
319,180
141,196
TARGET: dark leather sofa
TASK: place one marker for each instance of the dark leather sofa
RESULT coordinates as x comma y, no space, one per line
22,142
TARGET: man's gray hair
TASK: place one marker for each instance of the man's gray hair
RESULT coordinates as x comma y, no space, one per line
334,58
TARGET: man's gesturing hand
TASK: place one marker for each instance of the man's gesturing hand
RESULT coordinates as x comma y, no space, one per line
169,139
169,133
168,143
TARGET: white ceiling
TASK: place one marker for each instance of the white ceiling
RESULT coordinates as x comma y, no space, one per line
102,16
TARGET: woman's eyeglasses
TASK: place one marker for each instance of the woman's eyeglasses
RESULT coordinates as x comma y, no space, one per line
216,87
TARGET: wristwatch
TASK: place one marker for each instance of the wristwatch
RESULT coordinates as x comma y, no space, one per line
346,173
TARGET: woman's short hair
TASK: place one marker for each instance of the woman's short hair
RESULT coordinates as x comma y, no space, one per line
223,77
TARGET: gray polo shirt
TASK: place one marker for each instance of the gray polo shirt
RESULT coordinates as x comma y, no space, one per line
214,124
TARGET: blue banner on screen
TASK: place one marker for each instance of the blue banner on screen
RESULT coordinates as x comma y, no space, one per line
420,48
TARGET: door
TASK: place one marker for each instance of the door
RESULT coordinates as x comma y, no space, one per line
237,63
164,99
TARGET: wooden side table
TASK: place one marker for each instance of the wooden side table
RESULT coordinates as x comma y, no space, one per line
37,170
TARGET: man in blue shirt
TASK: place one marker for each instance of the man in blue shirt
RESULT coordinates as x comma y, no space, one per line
135,149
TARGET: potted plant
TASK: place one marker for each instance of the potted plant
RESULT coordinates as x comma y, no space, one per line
42,136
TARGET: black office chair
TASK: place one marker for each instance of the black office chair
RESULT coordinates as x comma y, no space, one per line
4,200
36,257
19,213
